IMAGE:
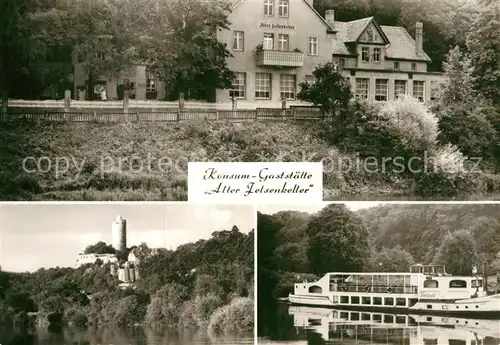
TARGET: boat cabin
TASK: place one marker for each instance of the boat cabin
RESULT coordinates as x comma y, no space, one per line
429,270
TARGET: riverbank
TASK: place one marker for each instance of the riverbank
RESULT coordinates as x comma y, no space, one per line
148,161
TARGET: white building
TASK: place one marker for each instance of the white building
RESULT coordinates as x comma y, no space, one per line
84,259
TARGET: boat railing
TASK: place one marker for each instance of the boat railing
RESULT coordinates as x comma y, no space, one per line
375,289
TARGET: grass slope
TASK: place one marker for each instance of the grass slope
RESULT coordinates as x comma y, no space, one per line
94,152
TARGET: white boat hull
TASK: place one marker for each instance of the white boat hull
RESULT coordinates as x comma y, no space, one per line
484,306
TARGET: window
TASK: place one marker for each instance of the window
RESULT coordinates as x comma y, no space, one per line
344,299
366,317
365,54
413,66
477,283
269,7
381,89
354,300
283,6
283,42
434,90
377,300
429,283
313,46
310,79
418,89
268,41
399,88
239,85
238,40
396,65
287,86
366,300
263,85
342,62
401,302
389,301
150,83
458,284
362,86
376,54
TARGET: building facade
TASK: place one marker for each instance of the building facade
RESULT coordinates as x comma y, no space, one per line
277,44
143,84
84,259
383,62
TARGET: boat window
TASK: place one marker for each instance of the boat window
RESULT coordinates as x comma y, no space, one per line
389,301
344,315
458,284
377,300
388,318
400,319
344,299
366,300
354,316
354,300
430,283
401,302
366,317
476,283
315,289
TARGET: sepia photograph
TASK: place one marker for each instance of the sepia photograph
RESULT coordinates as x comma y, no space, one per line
128,274
378,273
108,100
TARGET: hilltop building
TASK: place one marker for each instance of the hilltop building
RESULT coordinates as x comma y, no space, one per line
128,271
119,233
84,259
276,45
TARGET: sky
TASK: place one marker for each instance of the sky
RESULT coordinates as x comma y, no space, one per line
353,206
49,235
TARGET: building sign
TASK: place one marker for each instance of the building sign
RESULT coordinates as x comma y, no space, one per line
276,26
427,295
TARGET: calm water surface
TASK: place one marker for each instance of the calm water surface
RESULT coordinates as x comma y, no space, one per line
119,337
317,326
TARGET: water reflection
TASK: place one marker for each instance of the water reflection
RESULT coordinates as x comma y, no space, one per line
135,336
320,326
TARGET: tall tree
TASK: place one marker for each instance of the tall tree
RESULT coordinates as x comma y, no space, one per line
458,252
464,115
483,43
338,241
182,46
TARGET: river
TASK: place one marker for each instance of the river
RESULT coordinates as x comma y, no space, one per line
137,336
317,326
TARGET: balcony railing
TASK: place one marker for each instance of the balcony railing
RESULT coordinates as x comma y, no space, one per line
278,58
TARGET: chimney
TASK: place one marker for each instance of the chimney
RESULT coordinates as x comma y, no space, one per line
330,17
419,37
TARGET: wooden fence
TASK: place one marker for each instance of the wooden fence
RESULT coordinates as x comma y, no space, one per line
143,115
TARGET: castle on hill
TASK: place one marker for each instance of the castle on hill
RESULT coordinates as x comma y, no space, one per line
128,271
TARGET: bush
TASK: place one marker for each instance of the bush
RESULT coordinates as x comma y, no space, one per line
237,317
413,124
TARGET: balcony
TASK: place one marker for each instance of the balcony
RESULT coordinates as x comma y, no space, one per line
277,58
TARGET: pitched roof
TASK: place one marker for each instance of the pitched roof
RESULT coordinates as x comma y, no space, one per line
330,29
356,27
401,44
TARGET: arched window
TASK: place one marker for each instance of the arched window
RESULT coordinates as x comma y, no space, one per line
431,283
315,289
458,284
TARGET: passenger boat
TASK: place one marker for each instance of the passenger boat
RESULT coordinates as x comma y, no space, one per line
425,289
378,328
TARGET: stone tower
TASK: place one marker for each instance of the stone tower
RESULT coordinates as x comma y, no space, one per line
119,233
